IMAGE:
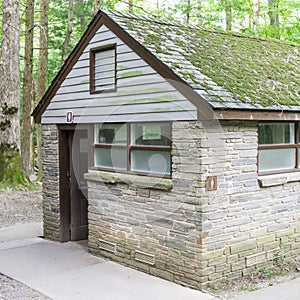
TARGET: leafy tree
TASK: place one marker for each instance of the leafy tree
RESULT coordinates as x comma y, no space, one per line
11,172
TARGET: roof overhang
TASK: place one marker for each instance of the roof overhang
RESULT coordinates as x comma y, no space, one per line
256,115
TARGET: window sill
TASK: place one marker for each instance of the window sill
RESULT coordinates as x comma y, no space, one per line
136,180
278,179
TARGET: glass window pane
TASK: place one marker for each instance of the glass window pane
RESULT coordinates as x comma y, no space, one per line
111,134
111,158
151,134
276,159
151,161
276,133
104,72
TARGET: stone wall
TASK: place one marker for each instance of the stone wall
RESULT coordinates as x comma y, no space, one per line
250,219
138,221
51,182
186,233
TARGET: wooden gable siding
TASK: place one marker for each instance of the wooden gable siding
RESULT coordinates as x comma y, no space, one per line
142,94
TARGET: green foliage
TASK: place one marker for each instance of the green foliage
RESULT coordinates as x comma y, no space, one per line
248,287
267,272
209,14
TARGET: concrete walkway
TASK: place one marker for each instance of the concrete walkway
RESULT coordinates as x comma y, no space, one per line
68,271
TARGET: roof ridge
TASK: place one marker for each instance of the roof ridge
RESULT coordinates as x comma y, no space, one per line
159,20
149,17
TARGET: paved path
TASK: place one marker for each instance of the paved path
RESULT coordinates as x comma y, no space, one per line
68,271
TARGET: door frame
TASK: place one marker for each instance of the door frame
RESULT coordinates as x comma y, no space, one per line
64,195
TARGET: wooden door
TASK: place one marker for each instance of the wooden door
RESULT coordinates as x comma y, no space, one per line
78,165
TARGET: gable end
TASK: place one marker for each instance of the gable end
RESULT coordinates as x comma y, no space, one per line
204,109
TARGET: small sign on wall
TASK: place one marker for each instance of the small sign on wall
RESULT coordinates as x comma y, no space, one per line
70,117
211,183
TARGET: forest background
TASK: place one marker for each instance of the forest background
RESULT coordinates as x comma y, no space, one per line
37,35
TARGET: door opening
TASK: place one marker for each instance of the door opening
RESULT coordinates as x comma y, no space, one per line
73,187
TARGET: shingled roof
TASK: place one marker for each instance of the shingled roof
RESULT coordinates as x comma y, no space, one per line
229,70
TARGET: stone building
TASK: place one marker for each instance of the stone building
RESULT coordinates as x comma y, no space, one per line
174,150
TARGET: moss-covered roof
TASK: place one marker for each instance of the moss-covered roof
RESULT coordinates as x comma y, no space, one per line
229,70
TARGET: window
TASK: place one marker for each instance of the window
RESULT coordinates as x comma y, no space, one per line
143,148
103,69
278,147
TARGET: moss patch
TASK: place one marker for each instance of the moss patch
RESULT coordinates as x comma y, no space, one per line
131,74
11,172
153,99
257,71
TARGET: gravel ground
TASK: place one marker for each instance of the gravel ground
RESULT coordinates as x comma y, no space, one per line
19,207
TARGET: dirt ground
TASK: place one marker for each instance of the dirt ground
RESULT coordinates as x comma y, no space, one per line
237,287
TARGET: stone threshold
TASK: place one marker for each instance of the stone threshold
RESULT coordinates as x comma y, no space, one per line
135,180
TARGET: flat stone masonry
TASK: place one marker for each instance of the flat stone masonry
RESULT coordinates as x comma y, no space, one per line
249,221
160,218
51,183
198,237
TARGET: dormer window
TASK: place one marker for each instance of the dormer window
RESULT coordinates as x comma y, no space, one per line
103,69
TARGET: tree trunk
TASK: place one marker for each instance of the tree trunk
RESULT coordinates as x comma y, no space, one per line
255,12
199,12
11,172
274,17
228,14
32,146
42,73
188,11
27,130
130,6
97,6
82,17
69,31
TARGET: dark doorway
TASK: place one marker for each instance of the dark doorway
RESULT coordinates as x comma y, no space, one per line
73,187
